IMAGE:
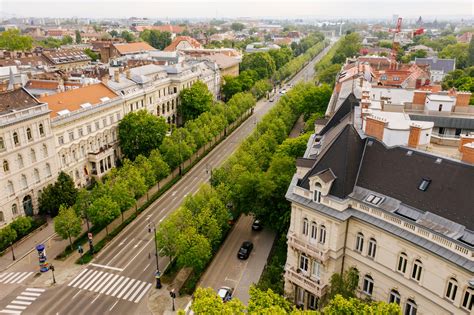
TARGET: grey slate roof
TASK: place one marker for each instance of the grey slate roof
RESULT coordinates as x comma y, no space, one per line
446,122
445,65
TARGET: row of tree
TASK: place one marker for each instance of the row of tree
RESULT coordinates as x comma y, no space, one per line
20,227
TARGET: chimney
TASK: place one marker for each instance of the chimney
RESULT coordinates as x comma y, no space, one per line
462,99
468,153
374,127
361,81
414,137
465,139
117,76
419,98
128,74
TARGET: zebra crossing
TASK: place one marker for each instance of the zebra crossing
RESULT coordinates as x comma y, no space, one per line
22,301
14,277
111,284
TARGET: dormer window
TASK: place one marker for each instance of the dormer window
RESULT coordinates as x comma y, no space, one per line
373,199
317,192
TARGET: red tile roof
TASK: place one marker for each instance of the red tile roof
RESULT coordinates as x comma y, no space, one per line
194,43
129,48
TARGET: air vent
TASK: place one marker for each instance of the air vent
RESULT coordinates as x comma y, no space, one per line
370,142
63,112
410,153
86,105
438,161
104,99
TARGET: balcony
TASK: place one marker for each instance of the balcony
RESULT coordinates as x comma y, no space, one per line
102,152
310,249
301,279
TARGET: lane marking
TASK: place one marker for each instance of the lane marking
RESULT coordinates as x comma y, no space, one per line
115,284
15,278
31,294
104,282
120,286
106,267
143,293
126,288
146,266
10,312
86,279
25,298
95,299
137,291
109,284
35,289
26,276
137,254
21,302
91,282
76,294
3,276
113,305
16,307
132,289
77,277
10,276
136,245
99,281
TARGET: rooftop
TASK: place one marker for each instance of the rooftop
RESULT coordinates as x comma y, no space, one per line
130,48
16,100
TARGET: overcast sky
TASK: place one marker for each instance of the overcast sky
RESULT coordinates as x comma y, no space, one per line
243,8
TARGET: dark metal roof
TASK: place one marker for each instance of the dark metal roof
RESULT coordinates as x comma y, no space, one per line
345,108
445,65
304,162
446,122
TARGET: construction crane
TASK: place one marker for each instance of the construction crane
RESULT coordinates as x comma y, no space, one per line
395,43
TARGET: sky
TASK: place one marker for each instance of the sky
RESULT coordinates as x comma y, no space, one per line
168,9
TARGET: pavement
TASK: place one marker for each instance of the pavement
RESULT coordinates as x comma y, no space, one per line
120,279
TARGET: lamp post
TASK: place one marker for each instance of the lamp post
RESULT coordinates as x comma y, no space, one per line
51,267
209,171
152,228
173,296
13,253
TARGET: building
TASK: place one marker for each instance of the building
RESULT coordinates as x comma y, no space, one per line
27,153
259,47
183,43
439,68
400,216
115,50
67,59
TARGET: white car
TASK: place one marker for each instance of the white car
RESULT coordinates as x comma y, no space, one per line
282,91
225,293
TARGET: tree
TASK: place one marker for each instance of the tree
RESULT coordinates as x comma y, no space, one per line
122,196
21,225
267,302
459,51
232,86
281,56
344,285
260,88
155,38
237,27
160,168
114,33
7,237
341,306
145,168
193,249
103,211
140,132
93,55
67,224
132,177
81,206
78,37
67,40
63,192
127,36
206,301
328,75
167,234
195,100
12,40
261,62
471,52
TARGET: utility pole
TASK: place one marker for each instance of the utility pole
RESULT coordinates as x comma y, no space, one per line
152,228
51,267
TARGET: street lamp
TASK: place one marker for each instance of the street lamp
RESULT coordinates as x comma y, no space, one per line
209,171
173,296
13,253
152,228
51,267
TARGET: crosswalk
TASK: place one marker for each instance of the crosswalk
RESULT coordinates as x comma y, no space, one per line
14,277
22,301
111,284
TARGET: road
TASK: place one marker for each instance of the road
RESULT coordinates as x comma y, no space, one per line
121,276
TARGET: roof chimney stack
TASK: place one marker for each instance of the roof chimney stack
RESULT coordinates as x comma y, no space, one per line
117,76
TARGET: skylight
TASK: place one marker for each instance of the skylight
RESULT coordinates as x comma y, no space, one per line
373,199
425,182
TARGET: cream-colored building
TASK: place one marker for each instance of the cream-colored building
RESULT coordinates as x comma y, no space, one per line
401,217
27,153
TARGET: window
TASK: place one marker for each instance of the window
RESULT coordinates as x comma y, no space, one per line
402,263
304,262
317,196
6,167
425,182
81,132
373,199
104,122
312,302
468,299
394,297
97,125
37,175
45,150
28,134
322,234
24,182
359,242
305,226
314,231
118,116
20,161
11,189
410,307
2,218
452,289
2,143
14,209
61,140
48,170
89,128
41,129
372,248
368,287
16,140
440,108
316,269
417,269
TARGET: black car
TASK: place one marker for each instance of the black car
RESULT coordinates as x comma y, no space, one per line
257,225
245,249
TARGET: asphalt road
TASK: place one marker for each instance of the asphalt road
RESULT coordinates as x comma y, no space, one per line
121,276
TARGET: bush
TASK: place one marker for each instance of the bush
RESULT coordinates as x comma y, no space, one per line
22,226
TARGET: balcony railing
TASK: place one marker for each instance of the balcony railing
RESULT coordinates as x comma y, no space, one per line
302,280
304,246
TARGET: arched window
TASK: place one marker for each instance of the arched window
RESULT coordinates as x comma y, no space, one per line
468,299
37,175
45,150
322,234
11,189
305,226
417,270
368,287
6,167
33,155
158,110
2,217
452,289
410,307
359,242
48,170
394,297
20,161
41,129
2,143
29,136
372,248
24,182
16,140
402,263
14,209
314,231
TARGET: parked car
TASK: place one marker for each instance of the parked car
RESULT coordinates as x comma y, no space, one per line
245,250
282,91
272,100
225,293
257,225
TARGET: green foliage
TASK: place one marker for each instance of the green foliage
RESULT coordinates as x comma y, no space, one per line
156,38
140,132
195,100
344,285
132,176
103,211
471,53
93,55
462,80
267,302
7,236
127,36
272,276
114,33
349,47
241,83
22,225
261,62
385,44
206,301
306,43
342,306
67,224
78,37
12,40
159,166
459,51
237,26
328,75
63,192
261,87
281,56
193,249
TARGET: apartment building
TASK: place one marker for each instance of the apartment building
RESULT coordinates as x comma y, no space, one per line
27,153
401,216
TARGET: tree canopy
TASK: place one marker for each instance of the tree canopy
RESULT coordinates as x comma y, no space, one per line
62,192
156,38
261,62
67,224
195,100
13,40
